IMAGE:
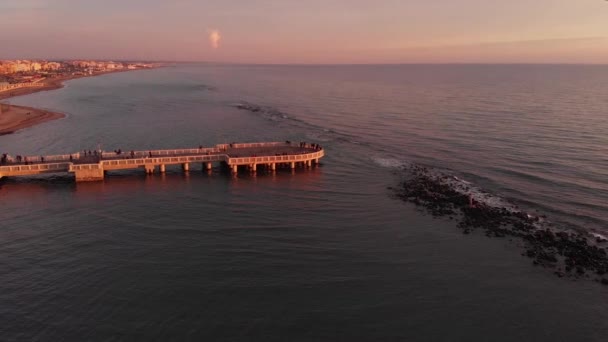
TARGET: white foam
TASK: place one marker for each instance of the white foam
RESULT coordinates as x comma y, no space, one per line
466,188
390,163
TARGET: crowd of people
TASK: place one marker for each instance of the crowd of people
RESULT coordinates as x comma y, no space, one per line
303,144
7,159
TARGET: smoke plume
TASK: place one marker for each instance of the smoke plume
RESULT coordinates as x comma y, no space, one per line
214,38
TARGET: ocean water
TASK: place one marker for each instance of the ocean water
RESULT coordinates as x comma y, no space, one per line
321,254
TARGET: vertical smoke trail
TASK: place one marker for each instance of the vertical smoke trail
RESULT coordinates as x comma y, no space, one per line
214,38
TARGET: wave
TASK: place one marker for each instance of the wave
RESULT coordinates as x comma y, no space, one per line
450,179
570,253
390,163
453,179
457,183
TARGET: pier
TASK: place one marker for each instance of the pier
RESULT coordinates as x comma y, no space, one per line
92,166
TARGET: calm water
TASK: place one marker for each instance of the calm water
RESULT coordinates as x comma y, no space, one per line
323,254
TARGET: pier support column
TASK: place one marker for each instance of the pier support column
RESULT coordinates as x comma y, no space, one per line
149,168
308,163
208,166
273,166
293,165
235,168
186,167
162,168
89,175
254,167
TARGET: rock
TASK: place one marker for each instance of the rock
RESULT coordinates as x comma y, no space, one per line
548,248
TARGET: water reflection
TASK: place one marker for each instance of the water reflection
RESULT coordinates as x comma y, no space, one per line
131,181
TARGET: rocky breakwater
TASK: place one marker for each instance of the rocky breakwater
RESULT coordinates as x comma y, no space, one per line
568,253
269,113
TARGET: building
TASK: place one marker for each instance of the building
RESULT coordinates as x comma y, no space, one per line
7,67
22,66
51,66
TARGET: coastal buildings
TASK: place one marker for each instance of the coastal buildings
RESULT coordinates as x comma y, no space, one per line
30,73
51,66
9,67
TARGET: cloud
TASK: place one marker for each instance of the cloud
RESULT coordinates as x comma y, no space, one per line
214,38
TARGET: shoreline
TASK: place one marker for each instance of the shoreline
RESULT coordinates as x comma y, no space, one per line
20,117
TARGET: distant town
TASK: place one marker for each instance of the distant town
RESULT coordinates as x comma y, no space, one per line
16,74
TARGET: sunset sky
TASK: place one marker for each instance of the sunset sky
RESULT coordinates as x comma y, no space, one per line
311,31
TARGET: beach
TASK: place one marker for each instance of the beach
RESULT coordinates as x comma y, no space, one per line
14,118
20,117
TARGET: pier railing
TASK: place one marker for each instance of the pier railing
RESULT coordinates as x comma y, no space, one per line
155,153
49,167
276,159
80,167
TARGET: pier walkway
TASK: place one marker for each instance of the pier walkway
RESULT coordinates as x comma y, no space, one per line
91,166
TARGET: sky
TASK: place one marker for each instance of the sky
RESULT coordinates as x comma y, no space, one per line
308,31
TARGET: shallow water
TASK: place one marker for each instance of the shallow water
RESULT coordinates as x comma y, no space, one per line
326,253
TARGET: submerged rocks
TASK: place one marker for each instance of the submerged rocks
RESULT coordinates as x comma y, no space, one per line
267,112
249,107
438,195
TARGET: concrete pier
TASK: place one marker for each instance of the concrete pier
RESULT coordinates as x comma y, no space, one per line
89,174
93,166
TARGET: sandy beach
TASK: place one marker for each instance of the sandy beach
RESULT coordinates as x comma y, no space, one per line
19,117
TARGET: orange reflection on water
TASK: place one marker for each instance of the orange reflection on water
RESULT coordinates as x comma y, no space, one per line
133,182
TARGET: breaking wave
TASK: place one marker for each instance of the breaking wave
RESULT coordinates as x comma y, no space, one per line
457,183
576,254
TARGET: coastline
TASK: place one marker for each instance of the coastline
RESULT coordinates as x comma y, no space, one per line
20,117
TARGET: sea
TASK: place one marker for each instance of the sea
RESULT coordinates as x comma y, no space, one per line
321,254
